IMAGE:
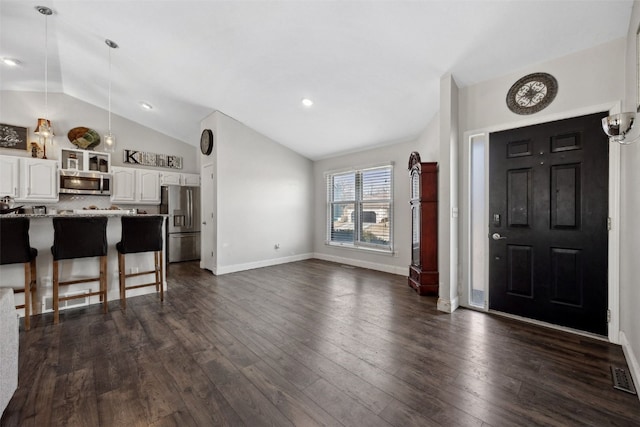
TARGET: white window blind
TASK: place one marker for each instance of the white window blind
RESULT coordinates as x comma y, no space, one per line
359,208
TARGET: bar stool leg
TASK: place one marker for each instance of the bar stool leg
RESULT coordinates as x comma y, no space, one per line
160,274
103,284
27,297
56,314
33,286
121,278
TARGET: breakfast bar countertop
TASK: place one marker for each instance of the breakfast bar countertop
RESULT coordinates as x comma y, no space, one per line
81,213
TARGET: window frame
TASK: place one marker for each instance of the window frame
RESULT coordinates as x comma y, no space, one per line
358,203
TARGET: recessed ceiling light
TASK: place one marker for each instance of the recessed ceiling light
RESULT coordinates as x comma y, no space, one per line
307,102
146,105
10,62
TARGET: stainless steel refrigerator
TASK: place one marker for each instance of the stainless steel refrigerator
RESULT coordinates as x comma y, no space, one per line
182,204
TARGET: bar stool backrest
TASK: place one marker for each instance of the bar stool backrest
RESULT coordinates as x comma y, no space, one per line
14,241
141,234
79,237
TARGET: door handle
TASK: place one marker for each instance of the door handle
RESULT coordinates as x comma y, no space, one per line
497,236
204,223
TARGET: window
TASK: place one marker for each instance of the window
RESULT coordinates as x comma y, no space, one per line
359,208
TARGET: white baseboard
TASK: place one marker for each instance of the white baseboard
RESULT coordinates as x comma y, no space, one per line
401,271
448,306
632,360
220,270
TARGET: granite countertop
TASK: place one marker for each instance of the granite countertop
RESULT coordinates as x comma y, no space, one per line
88,213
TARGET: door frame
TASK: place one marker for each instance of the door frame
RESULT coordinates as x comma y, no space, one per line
208,262
613,257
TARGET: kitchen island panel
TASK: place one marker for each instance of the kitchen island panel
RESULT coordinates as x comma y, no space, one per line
41,238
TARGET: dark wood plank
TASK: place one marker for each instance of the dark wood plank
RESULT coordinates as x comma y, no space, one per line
307,343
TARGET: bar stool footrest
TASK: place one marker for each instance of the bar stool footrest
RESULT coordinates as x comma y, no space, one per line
140,286
74,282
142,273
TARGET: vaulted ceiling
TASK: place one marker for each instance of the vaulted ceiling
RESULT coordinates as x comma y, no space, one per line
372,68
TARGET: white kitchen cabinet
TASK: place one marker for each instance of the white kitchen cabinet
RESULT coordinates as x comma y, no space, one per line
39,180
148,186
135,186
170,178
123,185
9,176
184,179
29,180
190,179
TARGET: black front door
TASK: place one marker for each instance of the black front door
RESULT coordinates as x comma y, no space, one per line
548,214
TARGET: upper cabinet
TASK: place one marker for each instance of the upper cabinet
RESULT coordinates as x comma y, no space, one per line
190,179
84,160
29,180
184,179
148,186
135,186
170,178
9,176
123,185
40,180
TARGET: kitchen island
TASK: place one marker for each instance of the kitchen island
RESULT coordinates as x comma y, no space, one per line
41,238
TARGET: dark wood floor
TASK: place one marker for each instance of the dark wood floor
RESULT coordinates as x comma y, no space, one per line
307,343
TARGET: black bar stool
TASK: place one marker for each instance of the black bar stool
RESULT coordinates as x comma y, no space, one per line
15,248
140,234
80,237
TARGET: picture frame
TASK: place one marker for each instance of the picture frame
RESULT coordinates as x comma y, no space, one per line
12,136
72,164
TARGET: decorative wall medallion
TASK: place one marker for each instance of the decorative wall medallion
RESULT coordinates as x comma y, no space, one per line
532,93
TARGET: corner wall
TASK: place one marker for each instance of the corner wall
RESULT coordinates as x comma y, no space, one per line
398,262
264,198
629,214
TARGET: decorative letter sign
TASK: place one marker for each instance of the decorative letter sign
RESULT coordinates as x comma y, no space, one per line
152,159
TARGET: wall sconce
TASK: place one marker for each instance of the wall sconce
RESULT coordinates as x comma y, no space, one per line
617,127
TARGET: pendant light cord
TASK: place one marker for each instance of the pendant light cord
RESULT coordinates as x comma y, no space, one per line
46,67
108,47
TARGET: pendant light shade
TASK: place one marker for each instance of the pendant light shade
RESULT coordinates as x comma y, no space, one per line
44,130
110,138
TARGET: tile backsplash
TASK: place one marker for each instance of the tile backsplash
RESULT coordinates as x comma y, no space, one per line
72,201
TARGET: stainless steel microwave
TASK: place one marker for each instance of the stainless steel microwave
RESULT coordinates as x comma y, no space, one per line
76,182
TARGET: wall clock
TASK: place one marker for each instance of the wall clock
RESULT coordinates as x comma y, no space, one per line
532,93
206,142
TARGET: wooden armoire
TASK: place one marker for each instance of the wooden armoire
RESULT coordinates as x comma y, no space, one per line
423,271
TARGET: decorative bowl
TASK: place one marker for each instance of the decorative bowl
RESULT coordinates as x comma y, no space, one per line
83,137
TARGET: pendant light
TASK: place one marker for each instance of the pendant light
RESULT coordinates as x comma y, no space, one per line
44,130
110,138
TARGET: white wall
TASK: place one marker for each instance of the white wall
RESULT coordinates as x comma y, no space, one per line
588,82
448,196
398,263
630,212
66,112
264,198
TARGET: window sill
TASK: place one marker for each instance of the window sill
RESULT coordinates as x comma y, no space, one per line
389,252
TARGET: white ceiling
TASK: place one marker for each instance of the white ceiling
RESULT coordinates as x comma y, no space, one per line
372,67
